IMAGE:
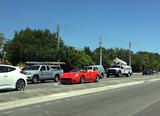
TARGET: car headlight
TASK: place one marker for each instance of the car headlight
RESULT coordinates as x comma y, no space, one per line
75,75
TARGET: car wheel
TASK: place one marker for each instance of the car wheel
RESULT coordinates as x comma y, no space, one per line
102,76
35,80
56,79
20,85
127,75
82,80
130,74
117,75
97,78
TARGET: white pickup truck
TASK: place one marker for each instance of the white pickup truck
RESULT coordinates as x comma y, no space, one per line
117,71
120,68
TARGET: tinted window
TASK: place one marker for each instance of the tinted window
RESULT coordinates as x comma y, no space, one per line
48,68
4,69
115,66
89,68
84,69
54,67
95,68
75,70
43,68
9,69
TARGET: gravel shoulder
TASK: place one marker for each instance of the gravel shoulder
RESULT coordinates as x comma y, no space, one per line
42,89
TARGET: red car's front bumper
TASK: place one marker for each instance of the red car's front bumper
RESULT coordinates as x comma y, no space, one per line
69,80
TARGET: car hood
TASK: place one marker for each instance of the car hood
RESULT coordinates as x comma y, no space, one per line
69,74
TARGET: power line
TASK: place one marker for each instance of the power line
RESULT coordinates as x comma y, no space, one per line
18,17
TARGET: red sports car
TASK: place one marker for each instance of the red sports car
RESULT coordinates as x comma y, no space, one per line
80,76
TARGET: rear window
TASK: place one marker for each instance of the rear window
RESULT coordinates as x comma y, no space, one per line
56,67
4,69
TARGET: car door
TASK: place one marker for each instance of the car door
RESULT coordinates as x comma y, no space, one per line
44,73
88,77
6,78
49,72
2,78
93,75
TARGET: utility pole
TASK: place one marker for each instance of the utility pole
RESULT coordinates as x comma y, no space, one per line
100,49
58,31
58,39
130,53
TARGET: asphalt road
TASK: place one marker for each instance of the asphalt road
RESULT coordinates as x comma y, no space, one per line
113,79
137,100
50,87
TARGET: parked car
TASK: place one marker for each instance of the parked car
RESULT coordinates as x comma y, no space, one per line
80,76
148,71
98,68
36,73
118,70
12,78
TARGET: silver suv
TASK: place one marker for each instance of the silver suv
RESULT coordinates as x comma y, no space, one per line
41,73
99,68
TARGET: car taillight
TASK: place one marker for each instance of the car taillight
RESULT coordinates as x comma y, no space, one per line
22,71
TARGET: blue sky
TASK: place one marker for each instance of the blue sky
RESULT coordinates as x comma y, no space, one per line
83,21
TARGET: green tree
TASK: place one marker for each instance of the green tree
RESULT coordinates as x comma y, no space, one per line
32,45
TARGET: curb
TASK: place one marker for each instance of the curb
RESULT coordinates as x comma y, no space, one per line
30,101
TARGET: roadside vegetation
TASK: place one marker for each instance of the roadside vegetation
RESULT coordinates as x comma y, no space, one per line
41,45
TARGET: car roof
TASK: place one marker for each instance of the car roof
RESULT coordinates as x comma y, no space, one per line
95,66
43,65
8,65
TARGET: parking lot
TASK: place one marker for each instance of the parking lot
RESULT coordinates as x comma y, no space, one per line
50,87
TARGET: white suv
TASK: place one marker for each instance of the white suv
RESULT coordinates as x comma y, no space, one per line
12,78
98,68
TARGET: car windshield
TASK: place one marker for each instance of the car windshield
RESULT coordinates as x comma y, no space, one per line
115,66
147,69
31,68
89,68
75,70
84,69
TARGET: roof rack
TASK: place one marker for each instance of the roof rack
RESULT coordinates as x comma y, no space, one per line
50,63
